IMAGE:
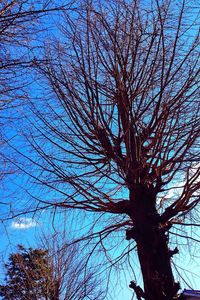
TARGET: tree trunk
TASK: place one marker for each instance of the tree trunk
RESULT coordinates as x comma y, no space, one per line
54,293
152,246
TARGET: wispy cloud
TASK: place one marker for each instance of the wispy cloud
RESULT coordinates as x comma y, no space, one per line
192,180
23,223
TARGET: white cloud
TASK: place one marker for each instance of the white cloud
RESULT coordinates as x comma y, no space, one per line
23,223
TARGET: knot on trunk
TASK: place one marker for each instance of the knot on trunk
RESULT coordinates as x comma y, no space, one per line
137,289
130,234
173,252
176,287
164,227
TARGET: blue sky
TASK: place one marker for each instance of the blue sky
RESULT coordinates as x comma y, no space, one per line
24,230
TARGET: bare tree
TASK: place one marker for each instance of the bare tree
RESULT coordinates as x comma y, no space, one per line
51,272
13,36
121,125
70,279
20,24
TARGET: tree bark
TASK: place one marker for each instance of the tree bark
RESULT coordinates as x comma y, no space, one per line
152,246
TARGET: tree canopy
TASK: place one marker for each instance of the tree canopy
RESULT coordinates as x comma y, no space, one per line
116,128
